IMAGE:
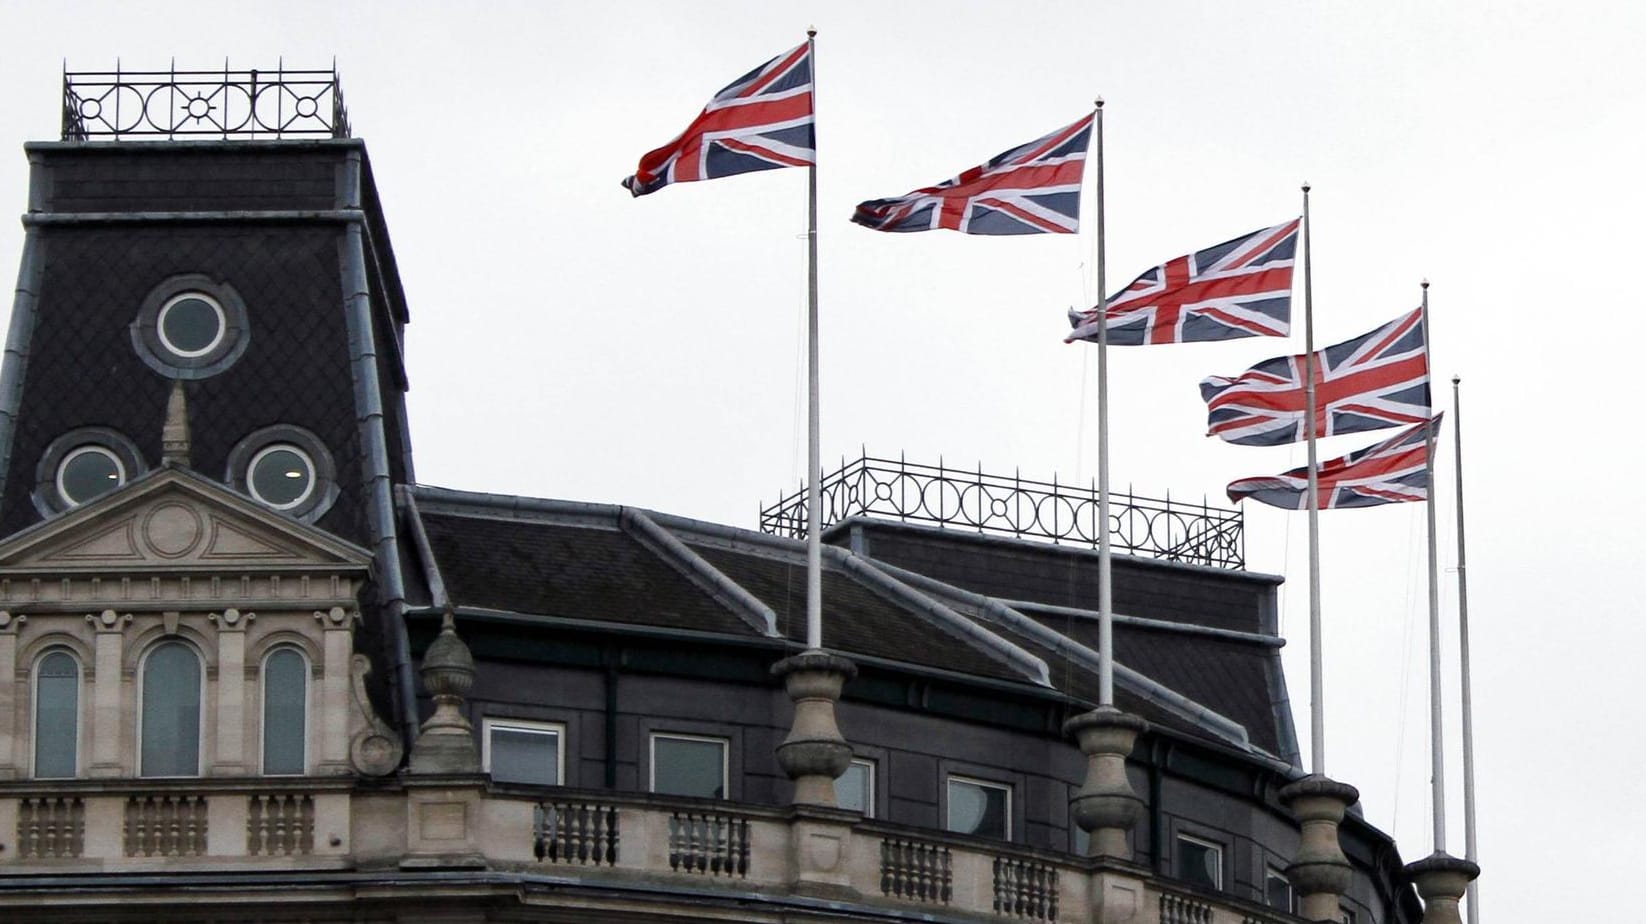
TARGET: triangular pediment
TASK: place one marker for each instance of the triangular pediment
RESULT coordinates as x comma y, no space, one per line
175,520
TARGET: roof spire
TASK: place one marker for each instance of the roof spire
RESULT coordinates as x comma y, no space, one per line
174,436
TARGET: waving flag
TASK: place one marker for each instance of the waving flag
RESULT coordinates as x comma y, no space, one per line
1376,380
1032,189
1240,288
1391,472
761,122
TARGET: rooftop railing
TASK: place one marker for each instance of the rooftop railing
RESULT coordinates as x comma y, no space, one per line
1022,508
222,104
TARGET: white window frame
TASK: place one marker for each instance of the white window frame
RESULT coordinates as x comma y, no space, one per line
263,708
869,797
1269,873
77,452
200,742
211,302
948,805
308,463
725,758
79,712
531,727
1214,846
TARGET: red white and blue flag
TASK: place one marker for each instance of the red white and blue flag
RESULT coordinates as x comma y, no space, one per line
1030,189
1394,471
761,122
1240,288
1379,379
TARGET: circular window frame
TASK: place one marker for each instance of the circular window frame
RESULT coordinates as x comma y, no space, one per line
264,453
164,357
87,449
323,490
48,496
217,339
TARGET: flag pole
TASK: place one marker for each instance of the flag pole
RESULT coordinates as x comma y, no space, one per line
1317,684
1463,649
1105,555
1437,755
814,453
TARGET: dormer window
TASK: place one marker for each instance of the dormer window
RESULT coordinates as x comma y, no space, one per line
88,471
285,468
191,324
191,327
281,476
82,464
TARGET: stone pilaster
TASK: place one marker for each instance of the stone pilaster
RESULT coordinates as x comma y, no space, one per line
445,743
1106,807
1442,879
814,754
336,648
230,759
1320,873
107,732
12,763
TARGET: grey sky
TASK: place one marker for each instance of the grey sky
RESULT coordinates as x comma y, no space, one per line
569,342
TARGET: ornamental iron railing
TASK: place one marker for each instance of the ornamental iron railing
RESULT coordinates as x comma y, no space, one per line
1019,507
223,104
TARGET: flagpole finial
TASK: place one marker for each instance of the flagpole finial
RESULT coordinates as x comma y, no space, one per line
811,32
1098,102
1457,379
1424,283
1305,187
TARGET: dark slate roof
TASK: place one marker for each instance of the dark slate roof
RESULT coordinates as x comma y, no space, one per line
856,620
568,571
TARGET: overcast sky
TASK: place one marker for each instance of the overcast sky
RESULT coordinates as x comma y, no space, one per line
570,342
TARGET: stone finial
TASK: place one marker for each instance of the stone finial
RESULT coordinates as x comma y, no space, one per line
445,743
1442,879
814,754
1106,807
174,436
1320,873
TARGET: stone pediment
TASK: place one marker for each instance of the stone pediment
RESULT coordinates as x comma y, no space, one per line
175,520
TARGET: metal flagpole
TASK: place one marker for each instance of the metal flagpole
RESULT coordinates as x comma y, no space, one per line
1317,684
1105,584
1437,756
814,453
1463,648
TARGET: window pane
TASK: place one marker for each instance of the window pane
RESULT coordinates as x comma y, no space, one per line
1199,863
855,788
285,695
171,712
1278,891
56,715
522,755
978,809
688,767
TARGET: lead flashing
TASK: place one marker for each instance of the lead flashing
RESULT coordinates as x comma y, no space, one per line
695,568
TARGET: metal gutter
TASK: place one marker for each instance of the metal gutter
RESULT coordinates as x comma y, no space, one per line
1152,690
510,507
995,647
641,528
18,336
379,489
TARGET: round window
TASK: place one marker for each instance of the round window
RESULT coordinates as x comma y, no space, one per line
281,476
87,471
191,324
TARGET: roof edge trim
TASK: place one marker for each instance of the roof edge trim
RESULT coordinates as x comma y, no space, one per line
643,529
1144,622
425,551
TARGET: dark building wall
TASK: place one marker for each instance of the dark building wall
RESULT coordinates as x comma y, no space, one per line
193,177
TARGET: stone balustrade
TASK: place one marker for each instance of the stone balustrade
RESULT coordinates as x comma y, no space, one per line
611,839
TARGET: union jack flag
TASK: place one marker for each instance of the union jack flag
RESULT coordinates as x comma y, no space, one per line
761,122
1392,472
1031,189
1376,380
1240,288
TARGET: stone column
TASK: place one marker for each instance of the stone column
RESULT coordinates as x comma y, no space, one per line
232,720
1106,807
1442,879
107,732
445,743
1320,873
814,754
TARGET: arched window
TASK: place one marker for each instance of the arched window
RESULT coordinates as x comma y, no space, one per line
285,711
171,711
56,715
